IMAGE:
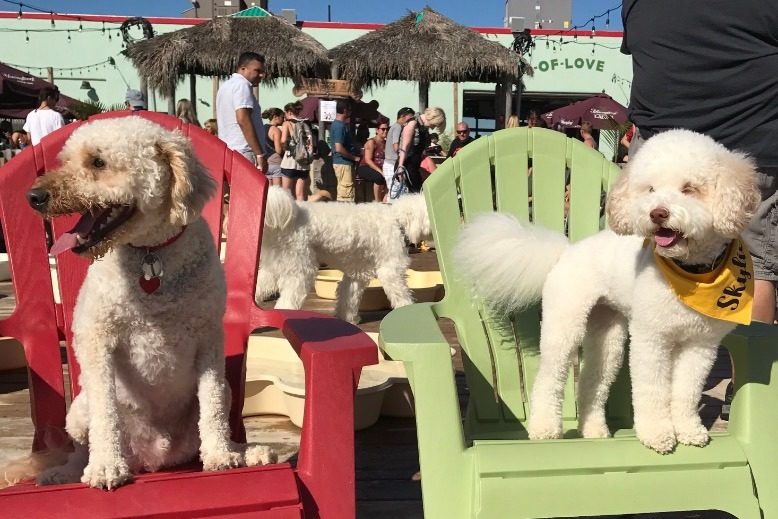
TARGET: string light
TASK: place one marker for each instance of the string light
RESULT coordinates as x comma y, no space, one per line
19,16
52,19
69,40
591,20
26,37
608,19
108,61
80,27
41,9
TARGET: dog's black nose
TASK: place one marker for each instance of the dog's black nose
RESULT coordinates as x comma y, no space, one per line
38,198
659,215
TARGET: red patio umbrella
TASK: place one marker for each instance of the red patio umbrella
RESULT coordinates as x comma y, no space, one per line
19,93
600,110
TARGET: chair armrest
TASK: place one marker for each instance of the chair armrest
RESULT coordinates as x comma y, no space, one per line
754,414
411,334
333,353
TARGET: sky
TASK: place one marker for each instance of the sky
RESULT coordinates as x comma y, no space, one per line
488,13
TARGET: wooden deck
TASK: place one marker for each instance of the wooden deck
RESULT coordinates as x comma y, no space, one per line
387,467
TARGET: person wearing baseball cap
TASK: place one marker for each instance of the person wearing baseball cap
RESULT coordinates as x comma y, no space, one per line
135,101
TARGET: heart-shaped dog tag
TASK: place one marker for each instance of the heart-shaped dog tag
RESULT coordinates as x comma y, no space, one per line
149,285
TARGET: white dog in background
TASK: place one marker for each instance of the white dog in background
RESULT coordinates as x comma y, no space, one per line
147,325
365,241
684,194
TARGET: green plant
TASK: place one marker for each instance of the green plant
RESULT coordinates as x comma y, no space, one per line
613,135
83,110
445,142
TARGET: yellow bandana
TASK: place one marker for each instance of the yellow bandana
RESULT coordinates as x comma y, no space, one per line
726,293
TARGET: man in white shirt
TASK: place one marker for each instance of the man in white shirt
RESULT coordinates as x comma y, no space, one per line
238,114
44,120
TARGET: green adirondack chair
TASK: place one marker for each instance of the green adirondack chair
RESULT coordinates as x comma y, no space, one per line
482,465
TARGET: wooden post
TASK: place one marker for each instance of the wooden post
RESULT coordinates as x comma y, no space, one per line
333,70
455,87
215,90
193,92
424,95
144,90
171,101
507,86
50,74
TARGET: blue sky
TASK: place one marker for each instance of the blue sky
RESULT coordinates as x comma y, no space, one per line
483,13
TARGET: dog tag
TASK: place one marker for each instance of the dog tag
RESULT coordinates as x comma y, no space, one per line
149,285
151,266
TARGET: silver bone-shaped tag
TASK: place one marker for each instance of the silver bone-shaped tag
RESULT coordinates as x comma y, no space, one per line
152,266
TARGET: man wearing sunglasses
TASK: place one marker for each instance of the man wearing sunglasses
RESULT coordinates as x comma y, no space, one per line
462,139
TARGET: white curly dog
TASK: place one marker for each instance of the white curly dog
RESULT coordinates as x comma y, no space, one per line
365,241
150,347
688,195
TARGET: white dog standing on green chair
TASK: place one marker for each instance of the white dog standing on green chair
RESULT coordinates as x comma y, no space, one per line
671,273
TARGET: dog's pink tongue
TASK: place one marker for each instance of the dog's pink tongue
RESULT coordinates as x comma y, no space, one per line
65,242
665,237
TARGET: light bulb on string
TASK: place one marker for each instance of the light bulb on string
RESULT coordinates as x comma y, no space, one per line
103,31
52,19
592,35
592,48
608,19
69,40
80,26
19,16
26,37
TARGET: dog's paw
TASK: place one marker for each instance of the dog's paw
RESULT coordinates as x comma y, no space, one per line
692,433
222,460
594,429
260,455
59,476
658,436
544,429
106,475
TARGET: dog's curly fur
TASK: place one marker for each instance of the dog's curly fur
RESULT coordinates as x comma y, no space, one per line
153,387
600,289
365,241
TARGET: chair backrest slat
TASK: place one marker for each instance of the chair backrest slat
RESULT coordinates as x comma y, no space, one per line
501,355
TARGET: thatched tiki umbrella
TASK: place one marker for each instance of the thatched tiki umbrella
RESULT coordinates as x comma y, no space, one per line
426,47
212,49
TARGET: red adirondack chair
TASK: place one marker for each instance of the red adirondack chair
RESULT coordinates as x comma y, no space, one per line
333,353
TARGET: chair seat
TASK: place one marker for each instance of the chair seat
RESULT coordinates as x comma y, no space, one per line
607,476
266,492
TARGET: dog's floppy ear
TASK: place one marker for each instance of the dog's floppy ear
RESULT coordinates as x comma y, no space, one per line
737,194
190,184
619,205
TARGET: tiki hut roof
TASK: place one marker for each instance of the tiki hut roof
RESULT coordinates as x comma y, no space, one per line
212,49
424,47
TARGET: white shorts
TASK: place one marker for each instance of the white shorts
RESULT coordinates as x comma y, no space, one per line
388,169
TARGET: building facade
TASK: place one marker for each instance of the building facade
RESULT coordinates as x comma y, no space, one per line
567,66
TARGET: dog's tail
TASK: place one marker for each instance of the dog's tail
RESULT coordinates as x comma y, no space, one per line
280,208
410,211
31,466
505,262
